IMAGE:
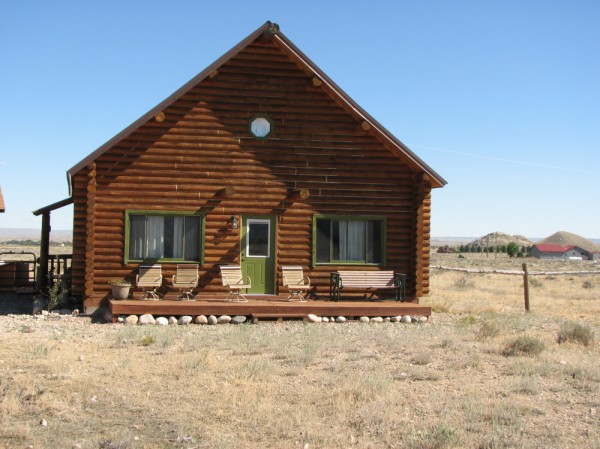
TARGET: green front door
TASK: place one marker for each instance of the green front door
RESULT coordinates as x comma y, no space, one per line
258,253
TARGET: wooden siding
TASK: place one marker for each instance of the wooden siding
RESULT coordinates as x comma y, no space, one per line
203,145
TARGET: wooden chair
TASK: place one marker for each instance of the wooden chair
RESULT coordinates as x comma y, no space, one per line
149,278
232,278
296,282
186,280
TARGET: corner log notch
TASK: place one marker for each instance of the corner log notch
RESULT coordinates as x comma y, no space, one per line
226,192
298,194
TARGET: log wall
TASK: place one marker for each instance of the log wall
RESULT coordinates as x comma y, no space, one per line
201,144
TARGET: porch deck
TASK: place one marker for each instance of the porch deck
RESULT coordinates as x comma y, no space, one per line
267,307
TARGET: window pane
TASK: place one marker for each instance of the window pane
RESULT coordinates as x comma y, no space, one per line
258,239
374,242
173,241
154,238
137,236
323,246
352,240
192,238
335,240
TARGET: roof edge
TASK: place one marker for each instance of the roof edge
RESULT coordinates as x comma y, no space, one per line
437,180
268,27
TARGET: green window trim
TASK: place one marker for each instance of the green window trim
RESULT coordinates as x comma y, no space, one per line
201,237
366,218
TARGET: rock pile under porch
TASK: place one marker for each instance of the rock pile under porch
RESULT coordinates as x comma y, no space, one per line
268,307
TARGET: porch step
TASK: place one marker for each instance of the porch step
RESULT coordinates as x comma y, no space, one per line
256,317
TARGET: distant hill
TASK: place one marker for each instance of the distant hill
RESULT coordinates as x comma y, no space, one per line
500,239
567,239
34,234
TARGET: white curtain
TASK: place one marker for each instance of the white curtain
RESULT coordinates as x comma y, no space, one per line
155,232
352,240
178,237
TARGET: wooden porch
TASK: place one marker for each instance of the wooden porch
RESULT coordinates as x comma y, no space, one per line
268,308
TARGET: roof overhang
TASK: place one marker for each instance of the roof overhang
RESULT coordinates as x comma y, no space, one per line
271,31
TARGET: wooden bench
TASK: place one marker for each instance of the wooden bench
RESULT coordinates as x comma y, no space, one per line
367,280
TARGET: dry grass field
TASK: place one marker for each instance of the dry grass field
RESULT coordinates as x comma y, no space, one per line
482,374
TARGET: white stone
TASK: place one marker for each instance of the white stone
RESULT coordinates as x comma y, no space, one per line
185,319
406,319
162,321
201,319
212,319
120,319
238,319
312,318
376,319
364,319
340,319
422,319
387,319
224,319
147,319
131,319
394,319
172,320
325,319
43,423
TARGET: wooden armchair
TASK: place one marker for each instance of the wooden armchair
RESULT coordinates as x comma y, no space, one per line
296,282
232,278
149,278
186,280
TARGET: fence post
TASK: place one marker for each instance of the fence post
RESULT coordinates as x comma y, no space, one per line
526,286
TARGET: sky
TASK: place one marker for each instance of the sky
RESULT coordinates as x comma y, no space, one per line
501,98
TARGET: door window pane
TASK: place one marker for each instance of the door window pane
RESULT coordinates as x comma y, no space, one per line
258,239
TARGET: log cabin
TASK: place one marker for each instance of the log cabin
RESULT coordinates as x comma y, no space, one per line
261,160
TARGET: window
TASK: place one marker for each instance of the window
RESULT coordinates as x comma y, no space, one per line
348,240
261,127
163,236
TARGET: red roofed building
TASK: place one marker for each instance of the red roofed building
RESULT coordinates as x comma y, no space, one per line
556,251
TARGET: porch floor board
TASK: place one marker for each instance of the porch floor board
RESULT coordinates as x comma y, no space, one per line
267,306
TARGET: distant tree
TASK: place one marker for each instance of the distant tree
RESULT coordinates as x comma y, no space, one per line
513,249
502,248
463,248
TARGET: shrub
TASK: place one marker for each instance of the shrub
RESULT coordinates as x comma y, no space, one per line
147,340
576,333
587,284
463,283
525,345
468,320
487,329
